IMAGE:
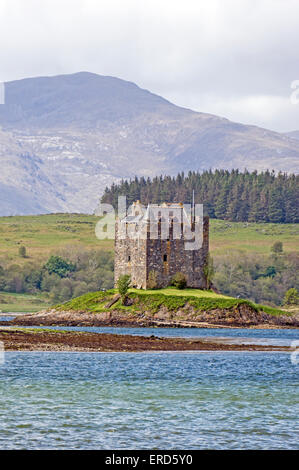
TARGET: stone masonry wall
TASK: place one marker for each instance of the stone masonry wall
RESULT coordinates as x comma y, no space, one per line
167,257
130,258
141,255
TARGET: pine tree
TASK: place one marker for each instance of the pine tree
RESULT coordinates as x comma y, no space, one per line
276,206
235,195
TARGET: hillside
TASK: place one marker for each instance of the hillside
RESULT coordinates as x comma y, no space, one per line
65,138
47,234
245,265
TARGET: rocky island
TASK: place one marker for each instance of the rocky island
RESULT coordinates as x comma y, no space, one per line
168,307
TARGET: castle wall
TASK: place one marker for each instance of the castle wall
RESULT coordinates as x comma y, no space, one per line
139,256
167,257
130,258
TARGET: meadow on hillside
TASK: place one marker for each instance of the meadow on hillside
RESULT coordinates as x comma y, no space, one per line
43,235
245,265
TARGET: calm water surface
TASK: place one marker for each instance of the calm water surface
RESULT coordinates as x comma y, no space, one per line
215,400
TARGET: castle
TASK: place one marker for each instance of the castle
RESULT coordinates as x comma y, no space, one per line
162,240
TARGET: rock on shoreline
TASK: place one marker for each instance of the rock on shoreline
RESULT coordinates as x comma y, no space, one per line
242,315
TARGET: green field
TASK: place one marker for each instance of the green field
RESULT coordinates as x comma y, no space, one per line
22,302
45,234
251,237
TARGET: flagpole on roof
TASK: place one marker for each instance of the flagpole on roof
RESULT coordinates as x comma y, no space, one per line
193,207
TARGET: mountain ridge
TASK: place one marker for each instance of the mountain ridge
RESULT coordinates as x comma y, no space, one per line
293,134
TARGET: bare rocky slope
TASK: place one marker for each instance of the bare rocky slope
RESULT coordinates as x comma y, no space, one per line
65,138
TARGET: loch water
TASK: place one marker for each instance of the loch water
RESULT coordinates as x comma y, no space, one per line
169,400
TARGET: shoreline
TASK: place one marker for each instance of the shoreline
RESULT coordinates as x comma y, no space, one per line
92,321
141,316
19,339
197,351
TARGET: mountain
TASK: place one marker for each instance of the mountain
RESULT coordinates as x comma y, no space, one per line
63,139
293,134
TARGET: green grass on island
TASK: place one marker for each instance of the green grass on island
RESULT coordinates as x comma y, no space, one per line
152,300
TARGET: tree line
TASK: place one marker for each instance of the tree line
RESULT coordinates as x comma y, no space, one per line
264,279
74,271
71,272
230,195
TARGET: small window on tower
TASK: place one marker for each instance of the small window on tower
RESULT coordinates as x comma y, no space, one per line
129,258
164,257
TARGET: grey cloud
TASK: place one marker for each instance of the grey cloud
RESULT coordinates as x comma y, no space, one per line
236,58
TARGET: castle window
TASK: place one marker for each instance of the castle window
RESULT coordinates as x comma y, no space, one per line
129,258
164,258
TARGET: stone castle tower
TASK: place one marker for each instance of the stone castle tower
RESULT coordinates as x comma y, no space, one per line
164,240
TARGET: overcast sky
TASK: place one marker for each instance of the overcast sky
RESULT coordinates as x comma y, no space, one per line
234,58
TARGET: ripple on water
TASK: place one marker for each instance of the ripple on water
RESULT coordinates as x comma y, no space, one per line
122,400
